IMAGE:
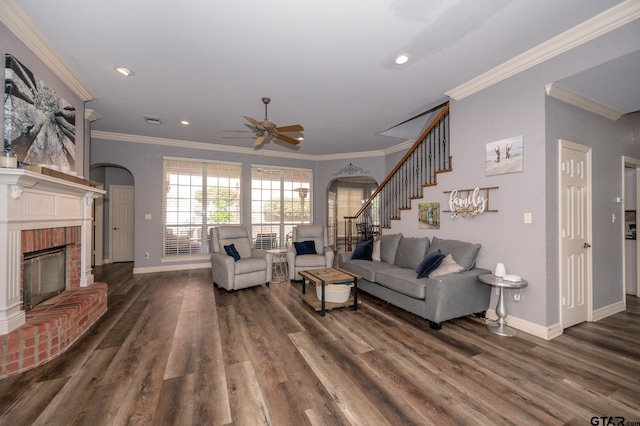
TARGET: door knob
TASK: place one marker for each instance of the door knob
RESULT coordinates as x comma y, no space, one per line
116,228
586,245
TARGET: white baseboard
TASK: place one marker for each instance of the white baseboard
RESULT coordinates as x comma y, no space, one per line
541,331
182,267
555,330
614,308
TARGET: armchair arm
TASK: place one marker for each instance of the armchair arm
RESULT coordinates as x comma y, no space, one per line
291,261
328,255
268,257
223,270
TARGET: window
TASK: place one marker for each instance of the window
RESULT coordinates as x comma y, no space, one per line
281,199
197,196
349,203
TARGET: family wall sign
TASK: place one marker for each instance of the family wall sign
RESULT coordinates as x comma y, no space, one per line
472,202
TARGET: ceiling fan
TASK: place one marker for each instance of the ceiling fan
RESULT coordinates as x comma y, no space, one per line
266,130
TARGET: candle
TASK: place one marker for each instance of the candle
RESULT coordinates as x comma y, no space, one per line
8,160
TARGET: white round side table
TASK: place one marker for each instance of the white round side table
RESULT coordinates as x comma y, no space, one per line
280,264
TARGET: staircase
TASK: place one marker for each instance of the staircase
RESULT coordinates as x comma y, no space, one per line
417,169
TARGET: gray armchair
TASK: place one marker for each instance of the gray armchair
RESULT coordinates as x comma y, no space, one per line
323,258
253,268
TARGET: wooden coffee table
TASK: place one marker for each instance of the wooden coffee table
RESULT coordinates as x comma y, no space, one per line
329,276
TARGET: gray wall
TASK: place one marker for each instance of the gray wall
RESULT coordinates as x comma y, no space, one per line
609,141
144,161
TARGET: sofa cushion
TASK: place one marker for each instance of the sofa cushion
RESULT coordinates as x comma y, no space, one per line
389,247
363,250
403,281
411,251
249,265
429,264
311,260
366,269
231,251
448,266
305,247
463,253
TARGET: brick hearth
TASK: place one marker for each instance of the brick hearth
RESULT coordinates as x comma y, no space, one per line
51,328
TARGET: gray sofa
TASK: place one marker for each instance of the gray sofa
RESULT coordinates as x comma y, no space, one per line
437,298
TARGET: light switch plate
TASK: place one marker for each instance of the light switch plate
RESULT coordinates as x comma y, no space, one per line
147,216
528,218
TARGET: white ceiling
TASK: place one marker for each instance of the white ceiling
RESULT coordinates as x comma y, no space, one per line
327,65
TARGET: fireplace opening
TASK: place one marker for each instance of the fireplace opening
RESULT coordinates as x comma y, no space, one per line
44,275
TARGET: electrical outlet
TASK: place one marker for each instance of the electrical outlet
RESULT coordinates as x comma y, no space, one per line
146,254
518,297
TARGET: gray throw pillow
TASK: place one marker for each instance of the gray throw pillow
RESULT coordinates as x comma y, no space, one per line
411,251
388,247
463,253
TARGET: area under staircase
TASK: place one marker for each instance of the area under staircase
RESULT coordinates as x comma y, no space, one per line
417,169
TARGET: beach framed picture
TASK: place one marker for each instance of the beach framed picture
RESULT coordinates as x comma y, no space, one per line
504,156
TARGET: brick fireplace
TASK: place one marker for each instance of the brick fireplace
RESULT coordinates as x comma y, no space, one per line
39,212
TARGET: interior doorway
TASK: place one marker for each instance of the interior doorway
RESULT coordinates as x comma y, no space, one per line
575,202
348,194
121,220
630,248
108,176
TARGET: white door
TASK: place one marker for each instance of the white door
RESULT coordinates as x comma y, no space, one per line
575,234
121,209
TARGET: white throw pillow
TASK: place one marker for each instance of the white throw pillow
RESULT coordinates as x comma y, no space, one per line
448,266
375,255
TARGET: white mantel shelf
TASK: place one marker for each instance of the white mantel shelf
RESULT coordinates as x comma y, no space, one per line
31,200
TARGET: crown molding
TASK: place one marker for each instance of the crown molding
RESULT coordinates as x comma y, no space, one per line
90,115
123,137
19,24
609,20
558,92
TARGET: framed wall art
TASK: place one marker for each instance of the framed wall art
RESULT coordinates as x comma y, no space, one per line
39,126
429,215
504,156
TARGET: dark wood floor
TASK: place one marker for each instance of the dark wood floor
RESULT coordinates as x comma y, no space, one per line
173,349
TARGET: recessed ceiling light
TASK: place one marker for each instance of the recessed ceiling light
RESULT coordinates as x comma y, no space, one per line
402,59
125,71
185,122
300,138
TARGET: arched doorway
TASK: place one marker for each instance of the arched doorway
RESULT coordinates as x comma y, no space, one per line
113,245
345,196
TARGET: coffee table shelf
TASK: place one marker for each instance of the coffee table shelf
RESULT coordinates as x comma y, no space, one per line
328,276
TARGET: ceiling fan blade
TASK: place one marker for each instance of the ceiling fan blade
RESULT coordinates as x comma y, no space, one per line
258,141
254,122
292,128
287,139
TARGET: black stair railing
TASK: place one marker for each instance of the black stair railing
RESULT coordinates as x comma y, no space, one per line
417,169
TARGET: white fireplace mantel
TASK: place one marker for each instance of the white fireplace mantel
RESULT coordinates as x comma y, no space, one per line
30,200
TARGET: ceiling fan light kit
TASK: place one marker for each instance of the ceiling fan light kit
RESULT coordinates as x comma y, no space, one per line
265,130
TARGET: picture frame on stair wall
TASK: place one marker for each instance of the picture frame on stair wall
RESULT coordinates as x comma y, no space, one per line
429,215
